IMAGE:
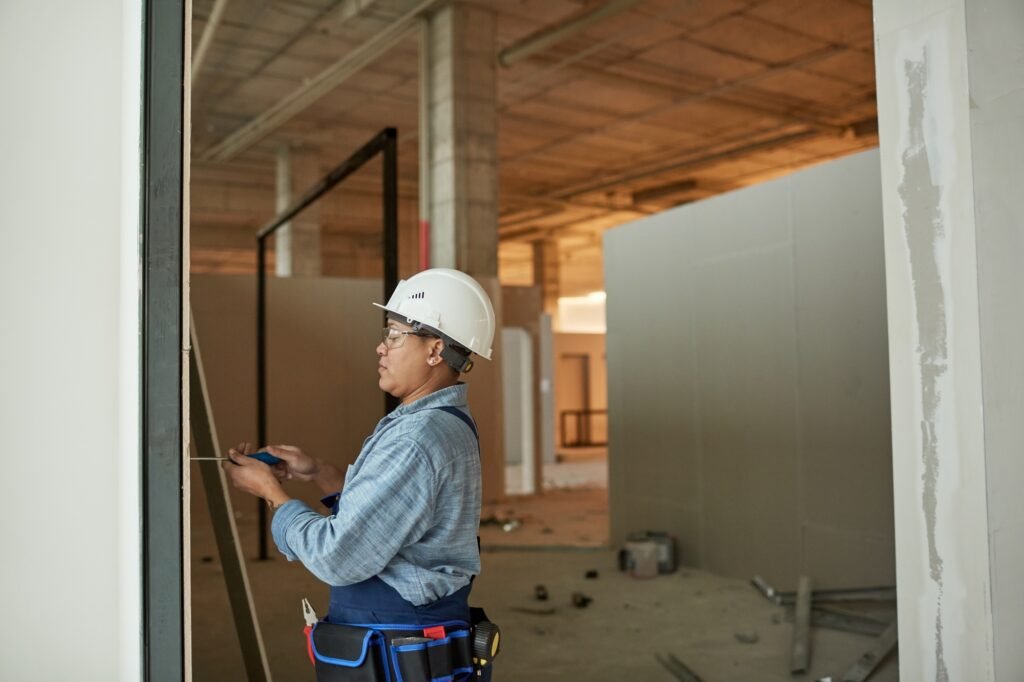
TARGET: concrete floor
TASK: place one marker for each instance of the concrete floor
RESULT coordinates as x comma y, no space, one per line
576,468
561,518
692,614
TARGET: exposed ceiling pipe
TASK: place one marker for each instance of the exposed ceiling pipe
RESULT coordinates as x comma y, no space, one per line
320,85
552,35
209,31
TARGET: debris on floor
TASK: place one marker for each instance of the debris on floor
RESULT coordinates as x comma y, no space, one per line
549,611
764,588
866,665
508,524
800,654
865,611
648,554
592,574
750,637
580,600
678,669
846,620
577,518
540,593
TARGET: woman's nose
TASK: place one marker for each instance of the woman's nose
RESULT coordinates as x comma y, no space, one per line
382,349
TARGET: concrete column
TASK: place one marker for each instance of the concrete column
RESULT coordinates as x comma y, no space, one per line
545,274
460,119
297,244
950,77
461,100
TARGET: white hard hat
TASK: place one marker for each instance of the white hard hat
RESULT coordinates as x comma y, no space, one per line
449,302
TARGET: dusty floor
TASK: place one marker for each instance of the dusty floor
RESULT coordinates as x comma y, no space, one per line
560,518
692,614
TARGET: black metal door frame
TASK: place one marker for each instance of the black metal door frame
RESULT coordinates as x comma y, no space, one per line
162,243
384,143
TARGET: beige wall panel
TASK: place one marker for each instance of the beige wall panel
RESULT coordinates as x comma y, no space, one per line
568,380
522,306
485,402
322,385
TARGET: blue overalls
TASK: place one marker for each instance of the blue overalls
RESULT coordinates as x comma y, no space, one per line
374,603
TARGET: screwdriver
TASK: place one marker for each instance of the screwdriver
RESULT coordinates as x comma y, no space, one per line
264,457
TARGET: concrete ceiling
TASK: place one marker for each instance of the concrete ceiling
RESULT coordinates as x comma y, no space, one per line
666,102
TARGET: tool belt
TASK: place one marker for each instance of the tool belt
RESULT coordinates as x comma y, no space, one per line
394,653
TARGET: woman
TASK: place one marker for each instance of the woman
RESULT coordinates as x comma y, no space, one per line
400,545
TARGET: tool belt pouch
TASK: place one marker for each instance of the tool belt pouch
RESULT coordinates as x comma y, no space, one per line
343,653
419,659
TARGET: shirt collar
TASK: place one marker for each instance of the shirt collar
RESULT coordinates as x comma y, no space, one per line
453,396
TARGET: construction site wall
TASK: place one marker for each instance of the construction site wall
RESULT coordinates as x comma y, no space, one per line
748,379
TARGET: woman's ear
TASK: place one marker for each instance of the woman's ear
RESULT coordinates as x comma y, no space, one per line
435,352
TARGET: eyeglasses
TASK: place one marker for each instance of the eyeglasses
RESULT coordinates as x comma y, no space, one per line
394,338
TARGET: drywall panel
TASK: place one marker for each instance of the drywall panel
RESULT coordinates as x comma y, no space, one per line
748,379
70,498
522,306
321,364
746,405
546,392
950,106
843,345
517,384
485,402
995,56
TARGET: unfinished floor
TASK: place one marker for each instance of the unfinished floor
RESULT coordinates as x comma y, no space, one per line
692,614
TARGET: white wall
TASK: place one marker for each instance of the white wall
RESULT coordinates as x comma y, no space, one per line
748,379
517,384
950,77
69,300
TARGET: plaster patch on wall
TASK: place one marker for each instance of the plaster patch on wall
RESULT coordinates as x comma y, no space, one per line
925,233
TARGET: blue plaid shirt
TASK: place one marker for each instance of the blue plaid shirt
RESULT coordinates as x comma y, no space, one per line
410,509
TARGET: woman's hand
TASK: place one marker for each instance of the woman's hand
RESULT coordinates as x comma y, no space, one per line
280,470
299,466
254,477
296,464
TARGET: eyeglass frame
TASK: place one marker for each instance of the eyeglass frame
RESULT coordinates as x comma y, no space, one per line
390,334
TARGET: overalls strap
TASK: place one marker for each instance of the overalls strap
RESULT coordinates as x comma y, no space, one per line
466,419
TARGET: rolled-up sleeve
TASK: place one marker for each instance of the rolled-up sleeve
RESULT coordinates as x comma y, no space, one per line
387,505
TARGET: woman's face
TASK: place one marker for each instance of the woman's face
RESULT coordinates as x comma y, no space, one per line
405,361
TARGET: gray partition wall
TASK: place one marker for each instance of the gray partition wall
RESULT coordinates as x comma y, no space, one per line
748,379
